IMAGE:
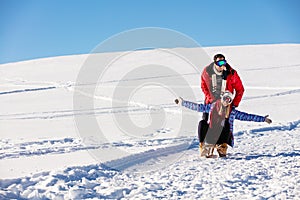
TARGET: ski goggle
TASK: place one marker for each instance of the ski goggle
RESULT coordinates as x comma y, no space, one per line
221,63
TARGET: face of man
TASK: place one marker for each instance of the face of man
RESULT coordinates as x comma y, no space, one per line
220,68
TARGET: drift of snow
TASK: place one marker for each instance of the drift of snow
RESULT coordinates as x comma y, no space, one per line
43,157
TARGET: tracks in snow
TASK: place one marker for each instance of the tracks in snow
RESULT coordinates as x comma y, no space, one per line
11,150
90,181
95,111
134,108
163,147
28,90
289,127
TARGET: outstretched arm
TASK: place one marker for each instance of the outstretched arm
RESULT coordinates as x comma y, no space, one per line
251,117
193,106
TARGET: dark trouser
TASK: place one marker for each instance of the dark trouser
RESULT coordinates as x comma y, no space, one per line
202,130
205,117
215,135
225,136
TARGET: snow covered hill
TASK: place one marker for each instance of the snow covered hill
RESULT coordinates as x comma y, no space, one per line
45,155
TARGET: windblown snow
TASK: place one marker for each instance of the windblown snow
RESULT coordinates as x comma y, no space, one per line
44,156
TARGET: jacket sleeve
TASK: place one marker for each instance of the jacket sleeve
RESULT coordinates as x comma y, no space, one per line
248,117
239,89
196,107
205,87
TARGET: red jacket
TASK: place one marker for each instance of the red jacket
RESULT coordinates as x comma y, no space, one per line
234,83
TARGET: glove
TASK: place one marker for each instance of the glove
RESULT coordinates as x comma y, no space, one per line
179,101
268,120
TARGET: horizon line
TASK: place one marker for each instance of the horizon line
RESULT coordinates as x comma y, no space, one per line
143,49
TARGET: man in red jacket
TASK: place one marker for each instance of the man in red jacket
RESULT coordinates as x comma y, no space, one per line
217,78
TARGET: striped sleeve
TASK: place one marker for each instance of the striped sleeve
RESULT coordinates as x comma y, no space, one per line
196,107
248,117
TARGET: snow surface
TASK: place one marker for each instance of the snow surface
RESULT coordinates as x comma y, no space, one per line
42,155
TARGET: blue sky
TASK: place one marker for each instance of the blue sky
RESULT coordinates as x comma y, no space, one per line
44,28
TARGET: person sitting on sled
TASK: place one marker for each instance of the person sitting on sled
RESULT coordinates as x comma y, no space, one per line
219,133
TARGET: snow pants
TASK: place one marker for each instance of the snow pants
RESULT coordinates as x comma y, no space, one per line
215,135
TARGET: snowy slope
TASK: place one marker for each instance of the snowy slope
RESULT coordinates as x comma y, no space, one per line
43,156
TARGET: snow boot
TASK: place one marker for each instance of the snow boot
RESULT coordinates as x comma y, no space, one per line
222,149
206,150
